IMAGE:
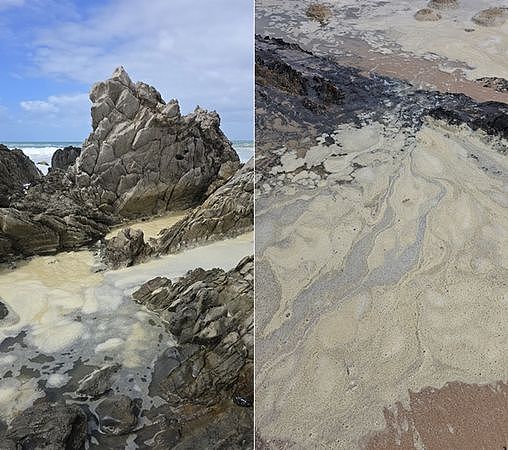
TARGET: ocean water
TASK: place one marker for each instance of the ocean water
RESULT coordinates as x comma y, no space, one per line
41,152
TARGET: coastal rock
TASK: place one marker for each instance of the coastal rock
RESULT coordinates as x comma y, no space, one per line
4,311
491,17
210,313
143,157
16,171
125,249
499,84
427,15
65,157
98,382
443,4
227,212
118,414
49,218
48,426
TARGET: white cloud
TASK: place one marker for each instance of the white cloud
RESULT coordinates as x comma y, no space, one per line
66,104
197,51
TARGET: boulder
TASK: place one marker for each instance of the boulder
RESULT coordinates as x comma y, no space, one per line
125,249
4,311
48,426
16,172
443,4
118,414
65,157
491,17
98,382
427,15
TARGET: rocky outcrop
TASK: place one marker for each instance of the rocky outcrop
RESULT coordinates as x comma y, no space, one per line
47,426
127,248
49,218
16,172
143,157
65,157
491,17
427,15
227,212
499,84
118,414
210,313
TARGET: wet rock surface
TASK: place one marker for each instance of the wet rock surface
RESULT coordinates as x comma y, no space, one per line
301,96
118,414
65,157
142,158
47,426
16,171
211,370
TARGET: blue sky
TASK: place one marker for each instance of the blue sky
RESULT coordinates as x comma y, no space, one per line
52,51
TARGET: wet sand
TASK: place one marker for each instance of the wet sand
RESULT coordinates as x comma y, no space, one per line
448,55
151,227
387,277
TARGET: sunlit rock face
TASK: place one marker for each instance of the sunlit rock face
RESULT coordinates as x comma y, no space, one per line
143,157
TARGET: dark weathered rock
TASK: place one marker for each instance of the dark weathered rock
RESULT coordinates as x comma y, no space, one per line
125,249
118,414
210,312
227,212
50,218
98,382
499,84
143,157
49,426
4,311
65,157
16,171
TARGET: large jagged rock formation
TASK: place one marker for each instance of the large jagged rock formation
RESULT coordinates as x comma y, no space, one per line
211,315
143,157
227,212
16,171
